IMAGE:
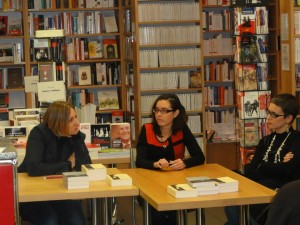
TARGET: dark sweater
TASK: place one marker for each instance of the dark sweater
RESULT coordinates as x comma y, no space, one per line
47,154
150,149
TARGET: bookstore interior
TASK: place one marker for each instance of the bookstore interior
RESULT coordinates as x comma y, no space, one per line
111,59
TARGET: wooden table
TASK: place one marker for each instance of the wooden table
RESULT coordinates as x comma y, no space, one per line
153,189
33,189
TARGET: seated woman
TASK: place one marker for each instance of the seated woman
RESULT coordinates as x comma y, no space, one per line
277,159
53,147
161,145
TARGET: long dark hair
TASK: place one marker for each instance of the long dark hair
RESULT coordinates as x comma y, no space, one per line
178,122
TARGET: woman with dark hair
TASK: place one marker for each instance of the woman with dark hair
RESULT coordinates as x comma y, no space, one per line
53,147
276,160
161,145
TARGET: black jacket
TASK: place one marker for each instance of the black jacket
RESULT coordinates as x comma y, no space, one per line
47,154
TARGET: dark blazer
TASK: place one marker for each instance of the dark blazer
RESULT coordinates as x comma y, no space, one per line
47,154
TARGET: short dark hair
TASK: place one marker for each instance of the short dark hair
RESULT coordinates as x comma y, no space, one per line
57,117
179,122
288,103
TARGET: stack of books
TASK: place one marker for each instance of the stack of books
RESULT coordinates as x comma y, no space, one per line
120,179
182,191
75,180
227,184
94,171
204,185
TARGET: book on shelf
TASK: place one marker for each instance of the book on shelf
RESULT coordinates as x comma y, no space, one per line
101,73
26,120
248,104
110,23
110,48
75,180
6,53
117,116
41,49
182,191
246,78
108,99
104,117
29,111
119,179
249,132
246,49
84,75
200,181
15,77
120,136
195,79
100,135
4,117
86,129
3,25
95,49
95,171
47,71
15,134
262,76
15,27
4,100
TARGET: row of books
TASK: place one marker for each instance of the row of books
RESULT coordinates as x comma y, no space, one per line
10,25
219,96
169,35
170,80
216,21
74,22
82,49
218,71
58,4
168,11
297,50
217,45
191,101
251,77
11,4
170,57
197,186
215,2
253,104
94,74
251,20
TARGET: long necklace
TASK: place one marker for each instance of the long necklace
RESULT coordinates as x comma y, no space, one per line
164,142
277,155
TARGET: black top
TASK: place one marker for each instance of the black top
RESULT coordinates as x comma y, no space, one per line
270,173
47,154
150,150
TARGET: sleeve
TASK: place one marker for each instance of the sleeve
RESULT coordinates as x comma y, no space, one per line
196,155
285,170
142,151
38,160
82,155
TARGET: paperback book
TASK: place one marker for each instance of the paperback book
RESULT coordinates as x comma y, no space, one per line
248,104
120,179
96,171
108,99
15,77
120,135
182,191
100,135
75,180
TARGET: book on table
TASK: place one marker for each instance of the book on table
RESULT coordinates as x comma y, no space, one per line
120,179
200,181
227,184
182,191
75,180
96,171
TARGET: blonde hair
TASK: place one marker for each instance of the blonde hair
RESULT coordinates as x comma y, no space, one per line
57,117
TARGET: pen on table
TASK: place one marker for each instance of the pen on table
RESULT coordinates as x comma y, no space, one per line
52,177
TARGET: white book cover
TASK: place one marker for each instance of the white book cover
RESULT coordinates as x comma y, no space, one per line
120,179
182,191
86,129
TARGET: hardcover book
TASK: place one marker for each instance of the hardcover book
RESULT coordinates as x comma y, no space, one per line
100,135
15,77
86,129
95,49
120,179
15,27
108,99
195,79
120,135
6,53
110,49
47,71
182,191
84,75
3,25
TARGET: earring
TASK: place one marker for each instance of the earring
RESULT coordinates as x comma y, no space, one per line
287,129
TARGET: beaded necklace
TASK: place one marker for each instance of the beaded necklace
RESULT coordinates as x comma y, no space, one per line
277,155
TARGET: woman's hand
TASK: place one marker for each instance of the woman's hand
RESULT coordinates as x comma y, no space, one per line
161,164
288,157
72,159
177,164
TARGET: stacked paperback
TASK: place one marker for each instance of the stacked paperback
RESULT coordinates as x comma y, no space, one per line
75,180
120,179
94,171
203,185
227,184
182,191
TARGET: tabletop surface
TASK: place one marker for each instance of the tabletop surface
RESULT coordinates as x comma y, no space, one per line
41,189
153,188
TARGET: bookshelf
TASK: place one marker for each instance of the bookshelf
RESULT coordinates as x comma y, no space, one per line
167,53
289,44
